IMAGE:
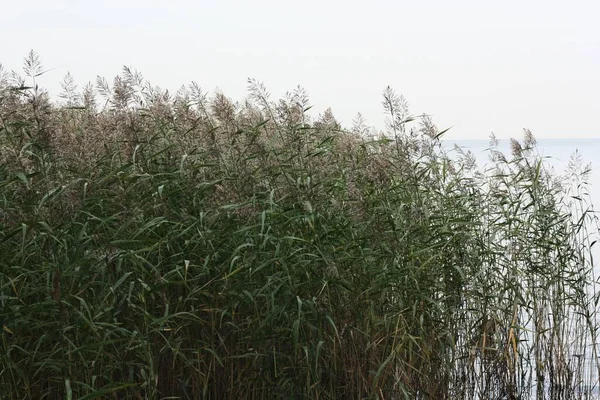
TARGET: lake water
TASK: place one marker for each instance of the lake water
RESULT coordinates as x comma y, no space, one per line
559,154
557,151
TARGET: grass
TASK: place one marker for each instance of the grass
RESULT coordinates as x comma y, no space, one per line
158,246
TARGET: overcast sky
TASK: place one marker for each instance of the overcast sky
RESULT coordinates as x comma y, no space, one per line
478,66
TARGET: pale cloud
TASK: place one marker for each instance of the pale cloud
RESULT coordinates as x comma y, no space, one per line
475,65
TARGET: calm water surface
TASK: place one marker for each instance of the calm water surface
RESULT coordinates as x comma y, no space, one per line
558,153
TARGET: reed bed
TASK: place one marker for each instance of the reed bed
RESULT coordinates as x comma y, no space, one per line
162,246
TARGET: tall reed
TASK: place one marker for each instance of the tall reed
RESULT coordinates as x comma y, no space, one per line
158,245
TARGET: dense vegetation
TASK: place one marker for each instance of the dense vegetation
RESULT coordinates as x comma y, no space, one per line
159,246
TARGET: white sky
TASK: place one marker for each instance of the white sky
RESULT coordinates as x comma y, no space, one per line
479,66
